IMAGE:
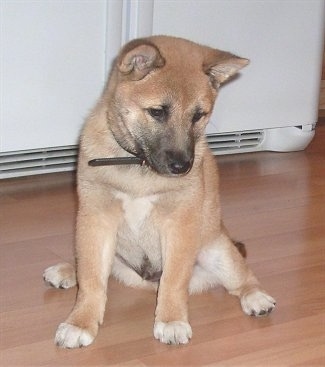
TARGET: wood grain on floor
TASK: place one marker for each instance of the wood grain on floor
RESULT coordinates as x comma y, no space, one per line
274,202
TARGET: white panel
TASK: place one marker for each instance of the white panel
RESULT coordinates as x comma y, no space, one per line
52,70
114,31
283,39
140,18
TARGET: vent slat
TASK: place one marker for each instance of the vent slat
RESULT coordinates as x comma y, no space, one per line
231,137
228,139
235,142
234,149
38,161
36,156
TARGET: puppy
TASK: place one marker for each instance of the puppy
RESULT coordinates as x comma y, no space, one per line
154,225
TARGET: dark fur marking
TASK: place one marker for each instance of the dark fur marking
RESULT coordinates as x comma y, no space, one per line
241,248
146,271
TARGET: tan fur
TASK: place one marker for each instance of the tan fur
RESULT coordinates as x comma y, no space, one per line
165,214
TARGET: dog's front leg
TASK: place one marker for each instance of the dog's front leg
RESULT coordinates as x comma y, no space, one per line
179,246
95,248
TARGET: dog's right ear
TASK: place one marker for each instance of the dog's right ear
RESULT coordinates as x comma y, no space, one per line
221,66
138,58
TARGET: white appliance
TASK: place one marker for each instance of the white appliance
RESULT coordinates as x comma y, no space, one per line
53,68
273,105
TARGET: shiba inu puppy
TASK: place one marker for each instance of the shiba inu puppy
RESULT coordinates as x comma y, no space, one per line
156,224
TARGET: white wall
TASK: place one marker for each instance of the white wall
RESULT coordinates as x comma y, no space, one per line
52,70
55,55
283,40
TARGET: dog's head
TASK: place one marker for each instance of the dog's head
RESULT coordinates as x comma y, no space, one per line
164,92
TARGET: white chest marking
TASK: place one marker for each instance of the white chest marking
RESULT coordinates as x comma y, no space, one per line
136,210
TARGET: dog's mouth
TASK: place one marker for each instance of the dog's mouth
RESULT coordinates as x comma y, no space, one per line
167,161
170,163
169,167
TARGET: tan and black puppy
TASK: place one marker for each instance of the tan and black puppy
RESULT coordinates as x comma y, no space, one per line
155,225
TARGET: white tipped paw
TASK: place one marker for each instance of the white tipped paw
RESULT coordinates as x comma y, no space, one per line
175,332
257,303
70,336
60,276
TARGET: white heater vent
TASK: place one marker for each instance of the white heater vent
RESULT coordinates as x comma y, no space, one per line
37,161
59,159
235,142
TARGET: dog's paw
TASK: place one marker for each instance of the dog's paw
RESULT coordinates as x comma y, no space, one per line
257,303
60,276
175,332
70,336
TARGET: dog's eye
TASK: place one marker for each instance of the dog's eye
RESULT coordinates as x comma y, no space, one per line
197,116
159,114
156,112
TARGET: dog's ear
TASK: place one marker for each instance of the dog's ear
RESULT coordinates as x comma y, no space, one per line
138,58
220,66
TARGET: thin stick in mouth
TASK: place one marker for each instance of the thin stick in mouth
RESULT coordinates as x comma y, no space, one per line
115,161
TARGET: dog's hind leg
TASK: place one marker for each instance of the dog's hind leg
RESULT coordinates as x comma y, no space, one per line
221,263
203,278
62,275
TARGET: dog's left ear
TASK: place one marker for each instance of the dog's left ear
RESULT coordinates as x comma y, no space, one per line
221,66
138,58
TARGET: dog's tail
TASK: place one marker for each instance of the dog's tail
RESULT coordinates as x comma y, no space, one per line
241,248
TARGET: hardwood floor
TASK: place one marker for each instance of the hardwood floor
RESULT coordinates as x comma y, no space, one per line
274,202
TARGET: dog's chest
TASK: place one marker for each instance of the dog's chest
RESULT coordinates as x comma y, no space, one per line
138,237
136,211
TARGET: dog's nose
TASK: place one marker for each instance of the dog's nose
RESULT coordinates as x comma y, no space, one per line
178,167
178,162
